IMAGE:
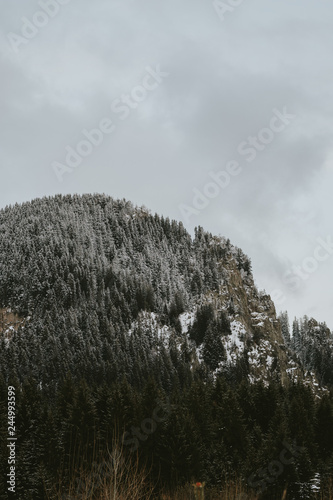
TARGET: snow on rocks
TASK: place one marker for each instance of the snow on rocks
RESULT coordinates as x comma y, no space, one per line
261,357
258,318
186,320
10,322
234,343
149,322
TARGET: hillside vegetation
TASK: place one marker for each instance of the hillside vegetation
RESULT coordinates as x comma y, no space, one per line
122,334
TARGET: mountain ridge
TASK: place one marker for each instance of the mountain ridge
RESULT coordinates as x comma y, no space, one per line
69,249
107,311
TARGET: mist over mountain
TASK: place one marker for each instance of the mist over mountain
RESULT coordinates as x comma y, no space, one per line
106,307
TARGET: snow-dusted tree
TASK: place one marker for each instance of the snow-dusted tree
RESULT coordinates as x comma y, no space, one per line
285,327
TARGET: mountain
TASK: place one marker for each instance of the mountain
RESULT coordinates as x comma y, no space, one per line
99,295
81,273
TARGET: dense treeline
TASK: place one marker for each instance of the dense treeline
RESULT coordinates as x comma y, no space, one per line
312,342
81,272
208,431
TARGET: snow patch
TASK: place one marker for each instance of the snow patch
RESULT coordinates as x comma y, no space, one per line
186,320
269,361
233,343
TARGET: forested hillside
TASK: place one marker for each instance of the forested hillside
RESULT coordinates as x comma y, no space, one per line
312,342
110,315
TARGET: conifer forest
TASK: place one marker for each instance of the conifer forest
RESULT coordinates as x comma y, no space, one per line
145,363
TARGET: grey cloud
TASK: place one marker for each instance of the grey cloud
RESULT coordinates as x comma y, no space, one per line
225,79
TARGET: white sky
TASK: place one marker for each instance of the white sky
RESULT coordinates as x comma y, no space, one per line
225,78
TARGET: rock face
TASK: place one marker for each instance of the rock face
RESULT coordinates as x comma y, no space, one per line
9,322
267,354
256,334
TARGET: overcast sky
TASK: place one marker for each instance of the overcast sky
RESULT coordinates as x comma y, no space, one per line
183,92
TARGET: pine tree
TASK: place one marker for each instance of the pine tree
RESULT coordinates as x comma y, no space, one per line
285,328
